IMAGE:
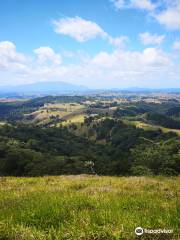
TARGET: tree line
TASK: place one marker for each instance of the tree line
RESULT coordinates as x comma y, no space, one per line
118,149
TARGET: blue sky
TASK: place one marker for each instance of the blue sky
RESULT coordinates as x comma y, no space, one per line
99,44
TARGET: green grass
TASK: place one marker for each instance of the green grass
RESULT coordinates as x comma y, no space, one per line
64,111
147,126
74,119
86,207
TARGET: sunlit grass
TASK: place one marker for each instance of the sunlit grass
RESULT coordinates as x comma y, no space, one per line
147,126
86,207
74,119
69,112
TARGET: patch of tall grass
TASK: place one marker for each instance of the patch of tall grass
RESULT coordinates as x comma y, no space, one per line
86,207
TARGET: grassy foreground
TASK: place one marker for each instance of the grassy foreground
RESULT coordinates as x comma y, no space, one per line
87,207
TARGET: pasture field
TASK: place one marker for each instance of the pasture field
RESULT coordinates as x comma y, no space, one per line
79,118
85,207
72,112
147,126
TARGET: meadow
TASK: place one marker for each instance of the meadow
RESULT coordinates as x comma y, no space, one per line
151,127
86,207
68,112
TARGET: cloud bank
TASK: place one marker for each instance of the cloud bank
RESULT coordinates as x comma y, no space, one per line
116,69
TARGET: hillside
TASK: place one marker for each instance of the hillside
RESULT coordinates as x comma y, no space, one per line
90,134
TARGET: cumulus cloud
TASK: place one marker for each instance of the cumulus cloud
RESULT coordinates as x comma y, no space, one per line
47,54
166,12
115,69
170,17
10,56
133,60
80,29
143,4
83,30
121,67
137,4
151,39
118,42
119,3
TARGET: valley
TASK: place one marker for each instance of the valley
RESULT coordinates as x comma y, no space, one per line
60,134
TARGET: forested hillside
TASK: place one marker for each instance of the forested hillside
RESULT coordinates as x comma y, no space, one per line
126,150
105,141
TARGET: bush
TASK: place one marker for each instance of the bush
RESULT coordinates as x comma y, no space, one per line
140,171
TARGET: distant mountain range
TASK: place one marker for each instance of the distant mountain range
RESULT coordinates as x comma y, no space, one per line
44,88
150,90
59,87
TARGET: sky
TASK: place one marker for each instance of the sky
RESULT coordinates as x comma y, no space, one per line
94,43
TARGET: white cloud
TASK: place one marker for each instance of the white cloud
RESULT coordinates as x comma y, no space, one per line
138,4
78,28
176,45
9,55
133,60
119,3
156,58
47,54
143,4
118,42
83,30
151,39
170,17
120,68
166,12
